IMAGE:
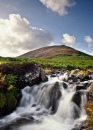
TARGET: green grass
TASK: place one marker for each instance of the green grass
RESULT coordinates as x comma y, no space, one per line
57,62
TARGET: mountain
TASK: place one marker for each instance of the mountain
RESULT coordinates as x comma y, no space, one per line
51,51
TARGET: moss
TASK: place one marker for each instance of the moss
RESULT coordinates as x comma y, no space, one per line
89,109
11,79
8,102
2,100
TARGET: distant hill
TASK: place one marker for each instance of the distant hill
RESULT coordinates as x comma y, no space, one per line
52,51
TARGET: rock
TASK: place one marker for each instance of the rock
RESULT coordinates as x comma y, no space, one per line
14,77
72,78
53,75
54,97
74,71
65,86
34,105
80,87
77,100
9,100
76,128
43,76
18,96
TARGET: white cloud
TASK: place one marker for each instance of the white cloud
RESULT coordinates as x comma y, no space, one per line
68,40
88,39
91,53
58,6
17,36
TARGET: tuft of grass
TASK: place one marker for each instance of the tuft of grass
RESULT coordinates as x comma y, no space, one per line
89,109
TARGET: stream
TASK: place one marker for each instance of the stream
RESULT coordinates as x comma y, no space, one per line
53,105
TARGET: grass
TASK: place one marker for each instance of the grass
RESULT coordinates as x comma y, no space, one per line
89,109
57,62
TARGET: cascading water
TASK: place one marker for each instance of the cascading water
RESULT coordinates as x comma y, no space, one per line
48,106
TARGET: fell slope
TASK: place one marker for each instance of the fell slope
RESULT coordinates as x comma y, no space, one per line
52,51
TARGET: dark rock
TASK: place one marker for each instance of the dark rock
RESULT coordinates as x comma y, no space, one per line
53,75
77,98
80,87
84,78
19,122
18,96
34,105
37,109
65,85
76,128
54,97
43,76
18,76
73,78
83,86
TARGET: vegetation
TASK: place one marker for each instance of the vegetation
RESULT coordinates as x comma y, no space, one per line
11,80
89,109
57,62
8,102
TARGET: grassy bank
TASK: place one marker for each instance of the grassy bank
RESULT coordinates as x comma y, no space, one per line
57,62
89,109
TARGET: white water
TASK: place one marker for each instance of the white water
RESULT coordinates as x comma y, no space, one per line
35,103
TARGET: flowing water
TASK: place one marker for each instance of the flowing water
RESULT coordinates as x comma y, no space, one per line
48,106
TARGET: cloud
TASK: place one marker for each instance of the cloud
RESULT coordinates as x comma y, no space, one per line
68,40
59,6
91,53
88,39
17,36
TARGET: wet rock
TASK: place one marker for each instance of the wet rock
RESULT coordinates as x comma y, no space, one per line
37,109
84,86
77,98
76,128
72,78
80,87
54,97
43,76
53,75
81,126
15,77
65,86
18,123
34,105
18,96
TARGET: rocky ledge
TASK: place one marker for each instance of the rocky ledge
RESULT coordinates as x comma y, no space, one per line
14,77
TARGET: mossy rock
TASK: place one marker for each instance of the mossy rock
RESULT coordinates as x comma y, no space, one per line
8,101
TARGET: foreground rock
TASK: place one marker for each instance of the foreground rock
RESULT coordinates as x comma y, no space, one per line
14,77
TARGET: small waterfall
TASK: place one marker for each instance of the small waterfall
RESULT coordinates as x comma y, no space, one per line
48,106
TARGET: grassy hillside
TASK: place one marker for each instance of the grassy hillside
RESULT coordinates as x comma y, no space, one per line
50,51
57,62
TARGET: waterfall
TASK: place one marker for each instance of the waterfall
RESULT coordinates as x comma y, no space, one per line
52,105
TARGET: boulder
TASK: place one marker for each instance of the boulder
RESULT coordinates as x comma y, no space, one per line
14,77
65,86
43,76
55,94
80,87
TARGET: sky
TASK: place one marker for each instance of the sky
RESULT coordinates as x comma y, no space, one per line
26,25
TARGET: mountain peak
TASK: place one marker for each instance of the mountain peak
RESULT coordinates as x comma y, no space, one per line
51,51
